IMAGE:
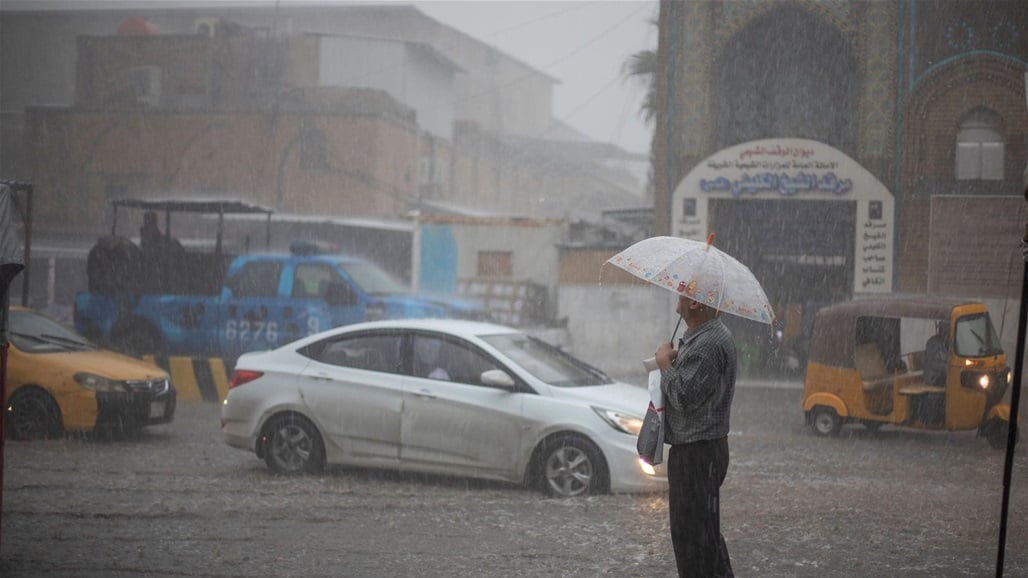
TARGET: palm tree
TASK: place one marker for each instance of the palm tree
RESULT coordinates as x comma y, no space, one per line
642,66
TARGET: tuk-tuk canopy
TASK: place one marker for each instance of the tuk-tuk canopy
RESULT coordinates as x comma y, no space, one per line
835,327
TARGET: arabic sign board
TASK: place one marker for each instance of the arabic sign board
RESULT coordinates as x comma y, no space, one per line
794,170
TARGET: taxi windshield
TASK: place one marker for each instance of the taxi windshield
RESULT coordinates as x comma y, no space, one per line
34,333
975,336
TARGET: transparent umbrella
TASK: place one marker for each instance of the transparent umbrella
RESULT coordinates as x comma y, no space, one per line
699,271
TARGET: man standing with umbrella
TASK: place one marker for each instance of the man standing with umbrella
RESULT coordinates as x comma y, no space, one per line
698,381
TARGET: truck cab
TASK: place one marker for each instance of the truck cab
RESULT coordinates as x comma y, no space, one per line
270,300
160,298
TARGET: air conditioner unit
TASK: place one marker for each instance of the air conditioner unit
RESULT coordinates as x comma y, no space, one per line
205,26
145,83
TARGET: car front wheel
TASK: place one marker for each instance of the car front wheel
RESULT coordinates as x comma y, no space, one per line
33,415
292,445
572,467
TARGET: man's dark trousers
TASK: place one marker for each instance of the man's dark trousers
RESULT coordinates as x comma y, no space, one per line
695,472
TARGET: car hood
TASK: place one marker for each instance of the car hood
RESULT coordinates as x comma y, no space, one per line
631,399
433,306
104,363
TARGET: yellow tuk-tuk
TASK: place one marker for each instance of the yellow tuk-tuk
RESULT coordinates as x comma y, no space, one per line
923,362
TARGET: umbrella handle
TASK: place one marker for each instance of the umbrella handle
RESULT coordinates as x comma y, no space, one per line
675,332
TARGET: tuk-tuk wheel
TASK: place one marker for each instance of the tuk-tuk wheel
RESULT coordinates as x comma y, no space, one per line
996,431
824,421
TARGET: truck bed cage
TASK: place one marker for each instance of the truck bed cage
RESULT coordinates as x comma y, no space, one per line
199,205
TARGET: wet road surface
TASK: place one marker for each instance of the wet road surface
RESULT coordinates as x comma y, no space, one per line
178,502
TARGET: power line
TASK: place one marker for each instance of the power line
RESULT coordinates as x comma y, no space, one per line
574,6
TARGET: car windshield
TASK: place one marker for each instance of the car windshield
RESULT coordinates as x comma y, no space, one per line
372,280
34,333
975,336
546,362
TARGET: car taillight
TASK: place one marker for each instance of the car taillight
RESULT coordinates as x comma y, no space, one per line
241,376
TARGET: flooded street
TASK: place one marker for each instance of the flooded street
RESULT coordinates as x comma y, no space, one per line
178,502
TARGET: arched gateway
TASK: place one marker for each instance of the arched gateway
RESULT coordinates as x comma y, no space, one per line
811,223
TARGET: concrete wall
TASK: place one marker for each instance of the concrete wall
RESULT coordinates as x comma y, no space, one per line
616,327
412,78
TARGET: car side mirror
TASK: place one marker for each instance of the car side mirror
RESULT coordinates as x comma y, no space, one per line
340,294
497,378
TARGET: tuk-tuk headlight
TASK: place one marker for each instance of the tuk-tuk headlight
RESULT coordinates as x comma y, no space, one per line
975,380
983,381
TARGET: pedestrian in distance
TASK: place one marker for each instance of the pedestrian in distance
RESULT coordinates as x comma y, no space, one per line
698,382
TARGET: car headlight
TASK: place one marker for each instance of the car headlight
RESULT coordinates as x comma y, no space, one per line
620,421
95,382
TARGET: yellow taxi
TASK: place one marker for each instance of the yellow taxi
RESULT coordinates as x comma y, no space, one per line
57,381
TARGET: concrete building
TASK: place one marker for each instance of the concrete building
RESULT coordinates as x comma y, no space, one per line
368,112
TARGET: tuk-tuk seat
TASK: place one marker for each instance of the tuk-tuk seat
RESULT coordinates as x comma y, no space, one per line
870,364
919,388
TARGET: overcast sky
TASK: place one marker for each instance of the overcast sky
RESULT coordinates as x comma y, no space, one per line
582,43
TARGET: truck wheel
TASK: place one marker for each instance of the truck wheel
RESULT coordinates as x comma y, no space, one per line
139,340
824,421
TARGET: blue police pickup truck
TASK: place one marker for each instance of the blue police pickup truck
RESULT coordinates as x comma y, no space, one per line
157,298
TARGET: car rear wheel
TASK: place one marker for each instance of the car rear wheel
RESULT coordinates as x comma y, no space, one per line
292,445
825,421
32,414
570,467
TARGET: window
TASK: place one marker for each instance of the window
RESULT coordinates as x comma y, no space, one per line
312,281
256,279
495,264
372,352
975,336
980,147
447,360
546,362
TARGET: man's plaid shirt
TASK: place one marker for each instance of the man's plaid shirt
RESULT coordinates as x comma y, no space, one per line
699,385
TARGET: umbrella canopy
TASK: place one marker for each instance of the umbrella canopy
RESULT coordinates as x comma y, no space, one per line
699,271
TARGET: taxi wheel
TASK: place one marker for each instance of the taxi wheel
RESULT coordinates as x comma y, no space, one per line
33,415
570,466
824,421
292,445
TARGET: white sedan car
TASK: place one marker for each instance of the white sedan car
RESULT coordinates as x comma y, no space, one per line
440,396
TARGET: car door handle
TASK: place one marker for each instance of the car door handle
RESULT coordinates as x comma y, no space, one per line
322,377
425,393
